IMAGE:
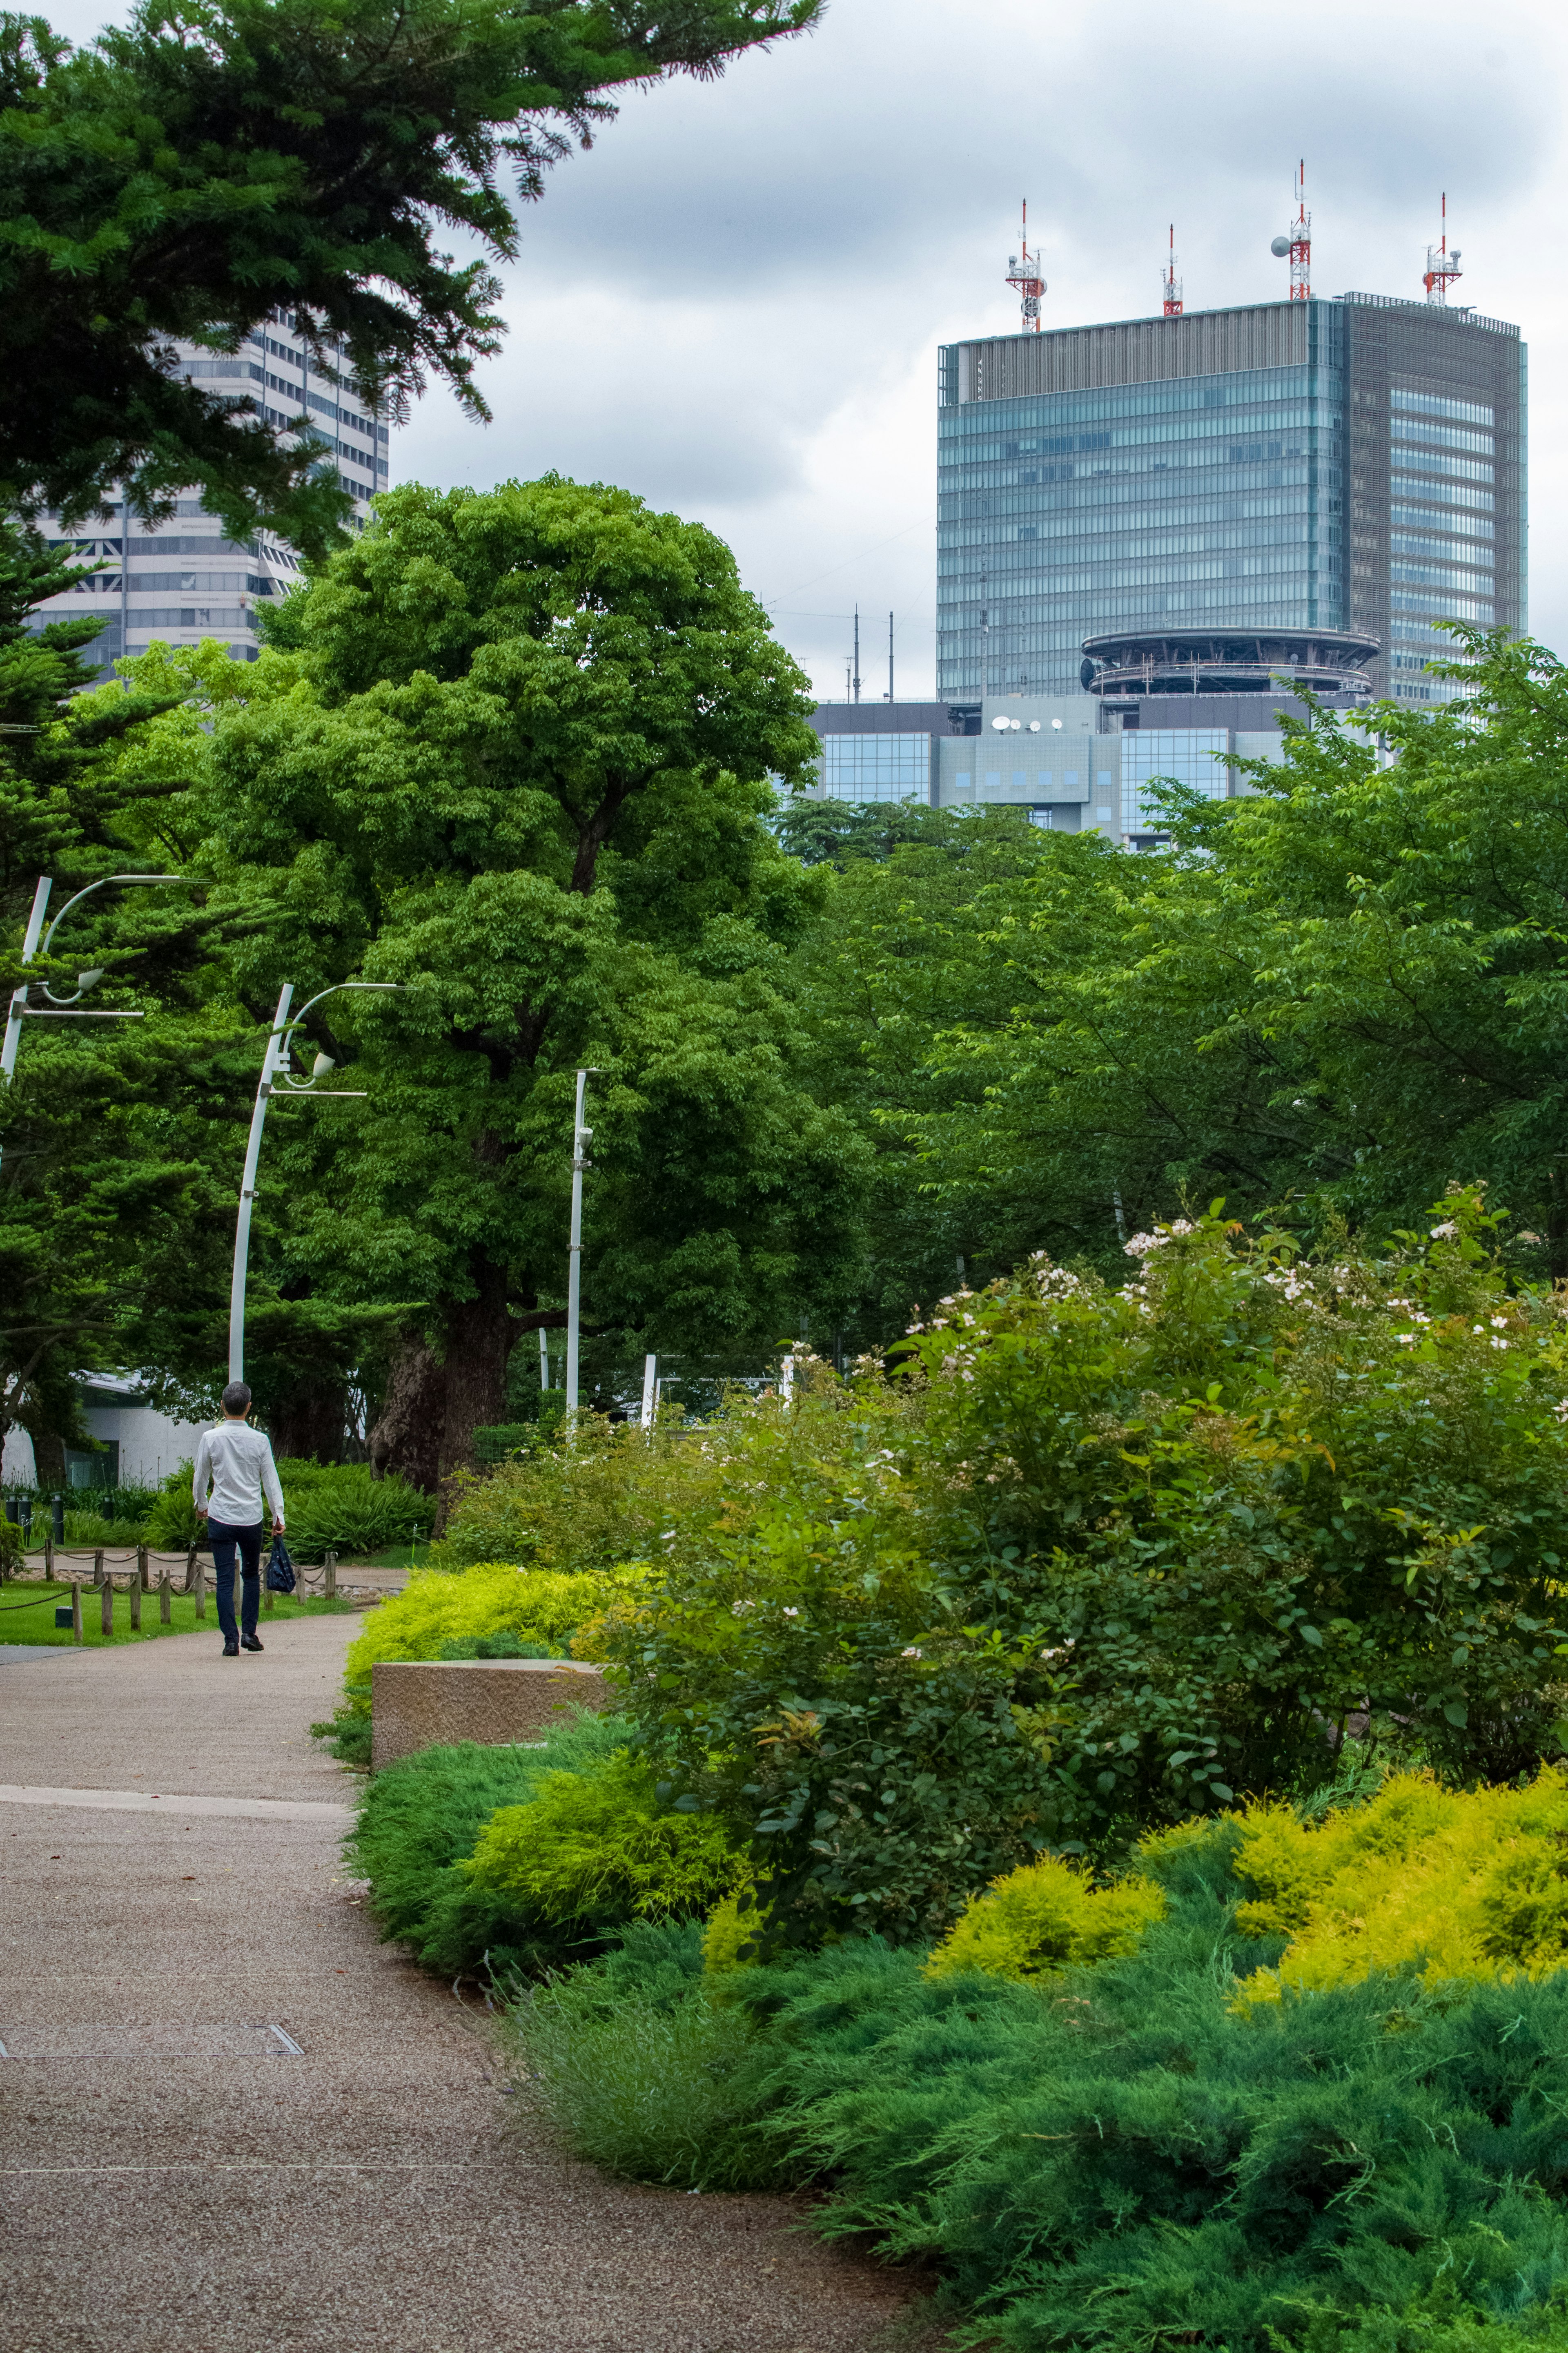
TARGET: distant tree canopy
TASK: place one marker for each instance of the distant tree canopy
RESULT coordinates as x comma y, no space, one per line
212,161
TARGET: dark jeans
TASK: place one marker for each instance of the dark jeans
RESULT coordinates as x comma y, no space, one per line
225,1543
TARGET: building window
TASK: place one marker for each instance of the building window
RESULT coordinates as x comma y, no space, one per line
876,768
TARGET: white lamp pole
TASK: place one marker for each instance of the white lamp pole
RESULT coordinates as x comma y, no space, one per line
59,1008
581,1136
272,1061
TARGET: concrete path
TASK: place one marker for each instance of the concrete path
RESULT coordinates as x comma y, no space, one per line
232,2122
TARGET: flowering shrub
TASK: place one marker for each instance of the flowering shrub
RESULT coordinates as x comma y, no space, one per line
1109,1556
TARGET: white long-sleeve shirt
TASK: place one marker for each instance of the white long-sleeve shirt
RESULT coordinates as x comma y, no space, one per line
238,1461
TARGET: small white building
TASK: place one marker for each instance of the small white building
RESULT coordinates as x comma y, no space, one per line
141,1445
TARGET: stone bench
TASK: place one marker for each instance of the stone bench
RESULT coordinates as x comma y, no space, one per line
431,1702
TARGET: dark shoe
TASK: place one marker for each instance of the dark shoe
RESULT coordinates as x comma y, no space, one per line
252,1643
231,1650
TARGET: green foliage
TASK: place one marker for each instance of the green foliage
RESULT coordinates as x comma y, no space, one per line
11,1550
183,177
173,1523
642,2069
92,1528
1125,2161
513,755
436,1609
529,1856
1456,1884
588,1847
1117,1555
1045,1918
345,1507
1339,992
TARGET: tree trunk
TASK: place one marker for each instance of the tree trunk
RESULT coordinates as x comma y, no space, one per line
310,1425
407,1436
478,1341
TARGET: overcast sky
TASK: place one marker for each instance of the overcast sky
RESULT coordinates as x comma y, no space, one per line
732,304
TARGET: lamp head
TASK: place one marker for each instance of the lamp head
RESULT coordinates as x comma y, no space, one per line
91,978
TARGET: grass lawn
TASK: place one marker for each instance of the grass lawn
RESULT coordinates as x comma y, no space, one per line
34,1621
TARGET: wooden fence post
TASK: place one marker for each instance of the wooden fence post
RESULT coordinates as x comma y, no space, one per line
199,1581
332,1574
48,1557
136,1605
76,1610
106,1598
143,1574
165,1599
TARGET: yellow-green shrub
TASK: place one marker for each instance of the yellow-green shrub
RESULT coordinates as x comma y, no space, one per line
730,1936
588,1844
537,1604
1465,1883
1043,1917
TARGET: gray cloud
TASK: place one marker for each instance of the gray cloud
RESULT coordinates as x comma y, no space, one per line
733,303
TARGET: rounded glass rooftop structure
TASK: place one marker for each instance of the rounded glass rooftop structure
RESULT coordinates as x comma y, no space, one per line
1323,662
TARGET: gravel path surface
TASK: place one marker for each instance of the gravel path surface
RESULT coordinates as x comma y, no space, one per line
176,2178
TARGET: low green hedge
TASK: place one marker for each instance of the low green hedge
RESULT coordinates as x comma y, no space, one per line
1120,2158
338,1507
523,1858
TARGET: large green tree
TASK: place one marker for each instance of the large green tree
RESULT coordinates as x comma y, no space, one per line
186,175
102,1203
1339,991
514,753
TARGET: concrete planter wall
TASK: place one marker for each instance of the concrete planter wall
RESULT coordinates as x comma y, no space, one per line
430,1703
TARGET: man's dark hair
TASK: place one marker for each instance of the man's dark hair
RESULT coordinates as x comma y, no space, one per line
235,1398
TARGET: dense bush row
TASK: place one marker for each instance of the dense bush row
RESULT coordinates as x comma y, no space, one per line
922,1865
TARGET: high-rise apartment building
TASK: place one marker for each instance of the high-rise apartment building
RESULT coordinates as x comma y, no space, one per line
1355,466
186,581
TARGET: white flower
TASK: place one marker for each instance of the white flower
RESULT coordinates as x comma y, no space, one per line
1499,1344
1499,1322
1445,1231
910,1654
1560,1412
1405,1339
792,1613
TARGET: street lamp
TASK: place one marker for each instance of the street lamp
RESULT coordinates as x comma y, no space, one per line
60,1008
271,1084
581,1136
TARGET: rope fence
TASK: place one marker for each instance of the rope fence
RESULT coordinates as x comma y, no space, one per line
137,1566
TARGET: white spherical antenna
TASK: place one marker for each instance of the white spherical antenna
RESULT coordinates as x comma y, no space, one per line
998,723
1280,248
1033,726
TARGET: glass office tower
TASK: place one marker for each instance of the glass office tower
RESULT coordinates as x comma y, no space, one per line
186,581
1350,464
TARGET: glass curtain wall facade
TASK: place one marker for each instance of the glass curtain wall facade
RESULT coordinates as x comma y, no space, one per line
1196,470
186,581
1438,483
877,767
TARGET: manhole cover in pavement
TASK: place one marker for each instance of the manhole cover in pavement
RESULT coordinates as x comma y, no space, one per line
193,2041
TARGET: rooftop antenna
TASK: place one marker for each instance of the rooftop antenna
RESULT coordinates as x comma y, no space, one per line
1024,272
1298,243
857,653
1441,267
889,658
1172,283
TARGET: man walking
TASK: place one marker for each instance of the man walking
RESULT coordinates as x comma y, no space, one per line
237,1463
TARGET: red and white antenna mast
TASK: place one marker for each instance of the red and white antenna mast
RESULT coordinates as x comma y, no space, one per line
1441,267
1024,272
1298,243
1171,282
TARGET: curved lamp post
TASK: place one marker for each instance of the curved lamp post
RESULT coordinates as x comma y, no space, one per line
276,1079
61,1009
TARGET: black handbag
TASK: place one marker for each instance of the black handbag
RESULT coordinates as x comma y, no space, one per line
280,1577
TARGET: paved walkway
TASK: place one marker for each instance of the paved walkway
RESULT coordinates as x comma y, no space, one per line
234,2123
